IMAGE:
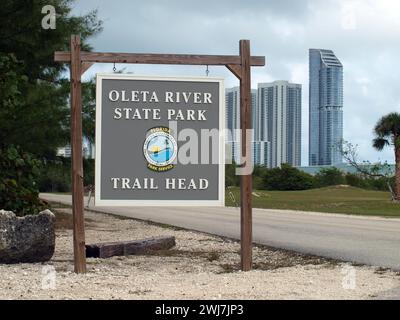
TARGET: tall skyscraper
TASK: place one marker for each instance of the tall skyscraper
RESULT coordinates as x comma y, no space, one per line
326,108
232,118
279,105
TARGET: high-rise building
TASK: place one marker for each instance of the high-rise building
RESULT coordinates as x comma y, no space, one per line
279,105
325,107
261,153
260,150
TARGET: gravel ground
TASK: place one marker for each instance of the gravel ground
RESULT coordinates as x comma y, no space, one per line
201,266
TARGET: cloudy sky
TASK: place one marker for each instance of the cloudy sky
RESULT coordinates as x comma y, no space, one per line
364,34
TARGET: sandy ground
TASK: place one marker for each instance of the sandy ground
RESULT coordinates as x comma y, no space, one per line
199,267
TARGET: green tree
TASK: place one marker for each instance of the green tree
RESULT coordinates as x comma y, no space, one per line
231,179
287,178
387,133
89,109
18,175
377,176
258,177
357,180
329,177
35,112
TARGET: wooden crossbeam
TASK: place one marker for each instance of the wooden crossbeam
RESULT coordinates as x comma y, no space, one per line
85,66
235,69
150,58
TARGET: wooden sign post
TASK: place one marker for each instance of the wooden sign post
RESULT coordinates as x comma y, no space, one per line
76,148
246,185
238,65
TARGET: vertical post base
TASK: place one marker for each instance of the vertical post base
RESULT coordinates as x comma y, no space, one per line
246,180
76,159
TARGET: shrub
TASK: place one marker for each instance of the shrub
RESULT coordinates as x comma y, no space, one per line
258,183
381,183
56,175
329,177
287,178
371,183
355,180
18,175
231,179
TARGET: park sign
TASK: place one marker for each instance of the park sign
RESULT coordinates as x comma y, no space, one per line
159,141
80,61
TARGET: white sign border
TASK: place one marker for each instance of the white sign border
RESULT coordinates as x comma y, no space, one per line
160,203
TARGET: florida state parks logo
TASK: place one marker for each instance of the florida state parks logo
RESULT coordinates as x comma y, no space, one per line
160,149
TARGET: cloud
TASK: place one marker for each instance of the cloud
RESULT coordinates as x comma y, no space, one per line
363,34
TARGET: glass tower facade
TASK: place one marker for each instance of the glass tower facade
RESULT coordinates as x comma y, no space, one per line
260,148
325,107
280,116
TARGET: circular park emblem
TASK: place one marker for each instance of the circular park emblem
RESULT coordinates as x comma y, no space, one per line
160,149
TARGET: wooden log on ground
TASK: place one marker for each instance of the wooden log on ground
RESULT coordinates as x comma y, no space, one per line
126,248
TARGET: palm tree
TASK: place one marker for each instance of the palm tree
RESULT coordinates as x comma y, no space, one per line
387,133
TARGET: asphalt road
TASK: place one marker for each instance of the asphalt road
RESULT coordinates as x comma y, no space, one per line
366,240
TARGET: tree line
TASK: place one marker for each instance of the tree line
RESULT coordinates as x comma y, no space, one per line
288,178
34,96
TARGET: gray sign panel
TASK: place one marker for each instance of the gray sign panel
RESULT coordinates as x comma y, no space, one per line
159,141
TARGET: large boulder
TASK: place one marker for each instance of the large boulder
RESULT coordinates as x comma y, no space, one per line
26,239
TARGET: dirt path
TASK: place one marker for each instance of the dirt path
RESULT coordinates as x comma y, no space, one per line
199,267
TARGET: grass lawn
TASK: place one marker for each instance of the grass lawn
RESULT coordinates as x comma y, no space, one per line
338,199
